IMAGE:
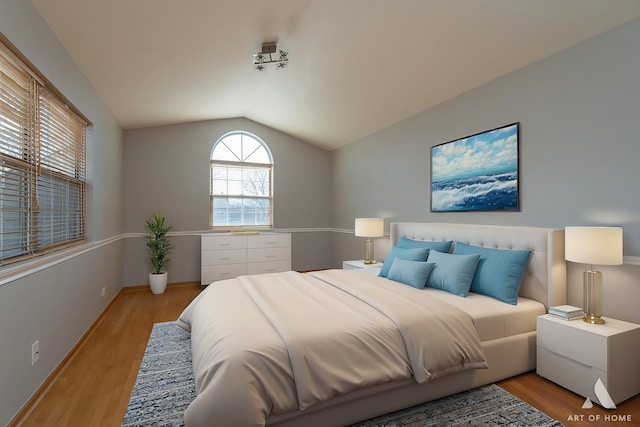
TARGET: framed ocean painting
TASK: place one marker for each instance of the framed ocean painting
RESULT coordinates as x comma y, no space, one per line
477,173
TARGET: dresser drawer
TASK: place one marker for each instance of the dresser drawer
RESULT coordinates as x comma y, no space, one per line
213,273
215,243
269,254
232,256
584,347
268,267
269,241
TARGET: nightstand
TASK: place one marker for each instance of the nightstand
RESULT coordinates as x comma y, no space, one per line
574,354
360,265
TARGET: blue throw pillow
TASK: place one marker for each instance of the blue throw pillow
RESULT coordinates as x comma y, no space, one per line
412,273
418,254
452,273
499,271
445,247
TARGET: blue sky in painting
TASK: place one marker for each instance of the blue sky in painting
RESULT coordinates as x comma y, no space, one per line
487,153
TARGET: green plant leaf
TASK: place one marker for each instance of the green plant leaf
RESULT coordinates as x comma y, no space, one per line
157,242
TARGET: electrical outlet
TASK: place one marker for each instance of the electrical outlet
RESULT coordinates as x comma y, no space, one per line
104,291
35,352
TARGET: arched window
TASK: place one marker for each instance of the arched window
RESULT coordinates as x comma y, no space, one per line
241,182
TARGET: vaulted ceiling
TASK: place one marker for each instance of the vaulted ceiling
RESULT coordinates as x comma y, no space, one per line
356,66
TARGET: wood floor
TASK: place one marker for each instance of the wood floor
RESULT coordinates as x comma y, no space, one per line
92,387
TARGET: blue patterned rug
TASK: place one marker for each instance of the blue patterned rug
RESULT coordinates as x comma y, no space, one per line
165,387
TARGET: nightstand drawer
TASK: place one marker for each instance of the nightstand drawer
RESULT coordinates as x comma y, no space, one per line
581,346
570,374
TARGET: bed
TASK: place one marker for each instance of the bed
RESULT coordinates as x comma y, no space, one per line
334,347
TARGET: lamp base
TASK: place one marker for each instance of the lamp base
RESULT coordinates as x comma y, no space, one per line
594,320
368,252
592,298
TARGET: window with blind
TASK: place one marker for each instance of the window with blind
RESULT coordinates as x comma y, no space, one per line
241,182
42,165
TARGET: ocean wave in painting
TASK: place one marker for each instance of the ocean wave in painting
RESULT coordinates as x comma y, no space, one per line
484,192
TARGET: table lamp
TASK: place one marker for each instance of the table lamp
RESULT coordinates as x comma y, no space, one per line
593,245
369,227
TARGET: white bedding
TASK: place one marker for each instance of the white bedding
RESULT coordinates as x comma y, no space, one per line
493,318
277,343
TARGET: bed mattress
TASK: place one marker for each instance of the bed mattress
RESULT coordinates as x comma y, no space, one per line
493,318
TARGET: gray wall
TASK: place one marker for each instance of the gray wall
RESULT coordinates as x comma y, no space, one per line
579,114
579,132
57,304
166,169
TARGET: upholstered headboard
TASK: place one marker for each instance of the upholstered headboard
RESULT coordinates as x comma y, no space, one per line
545,277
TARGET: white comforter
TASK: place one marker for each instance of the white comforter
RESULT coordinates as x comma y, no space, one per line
275,343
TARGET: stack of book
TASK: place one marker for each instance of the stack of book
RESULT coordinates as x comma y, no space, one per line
566,312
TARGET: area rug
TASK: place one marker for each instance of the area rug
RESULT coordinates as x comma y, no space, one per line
165,387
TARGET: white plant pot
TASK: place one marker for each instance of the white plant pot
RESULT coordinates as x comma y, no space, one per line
158,282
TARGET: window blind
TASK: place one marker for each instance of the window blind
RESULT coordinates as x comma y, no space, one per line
42,166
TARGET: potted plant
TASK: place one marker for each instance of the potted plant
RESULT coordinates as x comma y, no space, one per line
159,248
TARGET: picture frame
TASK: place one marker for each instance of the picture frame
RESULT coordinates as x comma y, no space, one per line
480,172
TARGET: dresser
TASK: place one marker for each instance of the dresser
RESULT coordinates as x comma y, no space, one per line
225,256
576,354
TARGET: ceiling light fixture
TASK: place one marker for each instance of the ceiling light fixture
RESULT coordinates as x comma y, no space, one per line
265,56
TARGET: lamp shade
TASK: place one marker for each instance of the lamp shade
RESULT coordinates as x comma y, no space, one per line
369,227
593,245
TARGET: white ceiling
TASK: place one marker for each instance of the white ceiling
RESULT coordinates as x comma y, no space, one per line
356,66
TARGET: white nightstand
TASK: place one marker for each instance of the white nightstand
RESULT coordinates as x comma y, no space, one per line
360,265
574,354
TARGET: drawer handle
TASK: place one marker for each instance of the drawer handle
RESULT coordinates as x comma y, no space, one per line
573,360
269,256
225,259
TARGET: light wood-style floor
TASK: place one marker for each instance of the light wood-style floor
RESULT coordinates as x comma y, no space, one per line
93,385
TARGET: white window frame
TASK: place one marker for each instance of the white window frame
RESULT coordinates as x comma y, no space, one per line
231,178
